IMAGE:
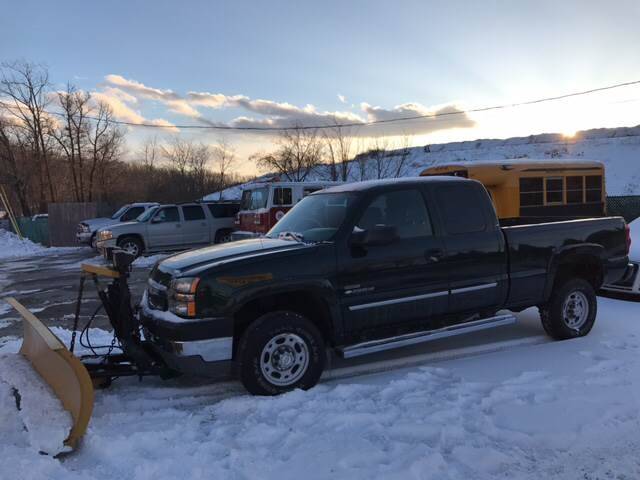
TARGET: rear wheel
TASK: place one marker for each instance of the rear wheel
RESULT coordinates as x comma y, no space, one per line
571,311
131,245
280,351
223,236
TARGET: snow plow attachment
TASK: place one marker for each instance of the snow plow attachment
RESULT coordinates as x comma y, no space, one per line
60,369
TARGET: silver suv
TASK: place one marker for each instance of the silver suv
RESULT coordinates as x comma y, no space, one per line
168,228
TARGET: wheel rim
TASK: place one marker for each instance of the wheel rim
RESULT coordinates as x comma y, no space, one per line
284,359
575,310
130,247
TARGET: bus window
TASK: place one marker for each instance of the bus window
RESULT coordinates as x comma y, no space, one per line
575,189
593,188
554,189
531,192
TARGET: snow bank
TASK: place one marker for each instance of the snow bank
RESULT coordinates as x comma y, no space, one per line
11,246
46,423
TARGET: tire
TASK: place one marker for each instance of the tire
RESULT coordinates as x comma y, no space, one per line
272,347
564,316
132,245
92,242
223,236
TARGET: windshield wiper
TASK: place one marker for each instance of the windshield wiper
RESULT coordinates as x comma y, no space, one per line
295,236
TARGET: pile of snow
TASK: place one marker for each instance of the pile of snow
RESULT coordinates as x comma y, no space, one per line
41,420
12,246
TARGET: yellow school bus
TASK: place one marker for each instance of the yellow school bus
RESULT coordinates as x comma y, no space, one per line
536,191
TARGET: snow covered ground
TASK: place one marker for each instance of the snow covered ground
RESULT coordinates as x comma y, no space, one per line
566,410
12,246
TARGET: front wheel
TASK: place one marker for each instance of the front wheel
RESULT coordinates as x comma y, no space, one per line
571,311
280,351
131,245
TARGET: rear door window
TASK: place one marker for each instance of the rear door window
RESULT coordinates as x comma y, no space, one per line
461,209
193,212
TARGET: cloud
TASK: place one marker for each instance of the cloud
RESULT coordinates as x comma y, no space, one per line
136,88
119,102
445,117
123,93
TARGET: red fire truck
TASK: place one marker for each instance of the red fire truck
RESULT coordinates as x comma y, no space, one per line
263,204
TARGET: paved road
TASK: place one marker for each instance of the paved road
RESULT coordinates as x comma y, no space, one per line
48,286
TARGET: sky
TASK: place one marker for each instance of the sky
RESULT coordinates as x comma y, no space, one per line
281,63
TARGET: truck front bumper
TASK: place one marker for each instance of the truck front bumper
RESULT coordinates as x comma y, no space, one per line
84,237
103,246
201,347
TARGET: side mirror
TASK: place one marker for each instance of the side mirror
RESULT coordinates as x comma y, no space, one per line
377,236
156,220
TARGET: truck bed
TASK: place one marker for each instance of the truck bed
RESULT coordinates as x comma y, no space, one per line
536,250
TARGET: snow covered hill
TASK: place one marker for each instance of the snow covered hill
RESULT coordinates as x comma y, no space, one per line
617,148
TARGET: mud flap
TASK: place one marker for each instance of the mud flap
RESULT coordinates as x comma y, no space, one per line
60,369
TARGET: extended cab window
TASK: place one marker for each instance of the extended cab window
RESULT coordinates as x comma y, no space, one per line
193,212
461,209
405,210
132,214
282,196
168,214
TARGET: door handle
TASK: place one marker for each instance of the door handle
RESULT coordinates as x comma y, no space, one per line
178,225
434,255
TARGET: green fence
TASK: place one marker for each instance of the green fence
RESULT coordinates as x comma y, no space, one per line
627,206
35,230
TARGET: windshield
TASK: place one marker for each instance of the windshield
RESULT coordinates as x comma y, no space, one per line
316,218
254,199
143,217
116,215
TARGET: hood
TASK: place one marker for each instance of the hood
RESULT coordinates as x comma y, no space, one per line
117,226
96,223
227,252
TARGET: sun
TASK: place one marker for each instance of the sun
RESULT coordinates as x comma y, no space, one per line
569,133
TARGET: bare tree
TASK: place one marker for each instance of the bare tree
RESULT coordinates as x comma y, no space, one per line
178,153
200,158
339,143
299,152
26,87
149,152
72,135
224,155
105,140
13,169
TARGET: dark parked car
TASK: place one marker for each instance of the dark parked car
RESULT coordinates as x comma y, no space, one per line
370,266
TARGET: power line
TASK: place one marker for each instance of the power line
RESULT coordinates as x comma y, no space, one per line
359,124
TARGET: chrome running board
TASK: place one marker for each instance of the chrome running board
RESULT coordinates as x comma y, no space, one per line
382,344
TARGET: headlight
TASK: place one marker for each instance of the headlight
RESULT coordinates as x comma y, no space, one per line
182,298
105,234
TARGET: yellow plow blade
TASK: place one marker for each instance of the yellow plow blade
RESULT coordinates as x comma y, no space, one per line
60,369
